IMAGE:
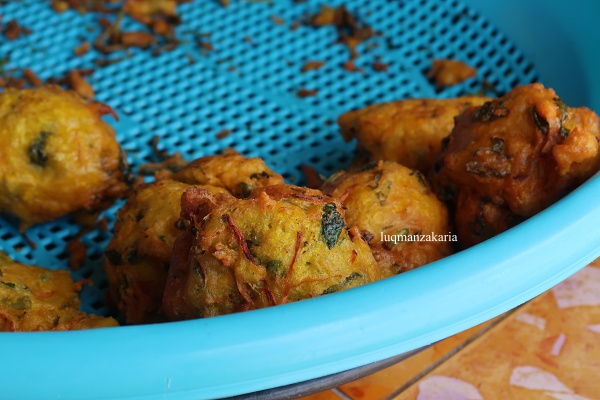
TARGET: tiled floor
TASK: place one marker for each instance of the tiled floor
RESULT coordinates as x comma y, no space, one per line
547,349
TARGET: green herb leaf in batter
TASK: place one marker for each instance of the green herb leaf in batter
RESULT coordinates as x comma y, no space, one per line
276,268
332,224
37,150
342,285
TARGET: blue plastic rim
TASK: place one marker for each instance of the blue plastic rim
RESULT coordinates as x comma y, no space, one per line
249,88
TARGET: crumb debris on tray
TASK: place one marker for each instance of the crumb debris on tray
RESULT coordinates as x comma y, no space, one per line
13,30
32,78
351,32
312,65
277,20
350,66
380,67
223,133
77,252
159,16
313,179
82,49
302,93
445,72
60,6
166,161
27,78
77,82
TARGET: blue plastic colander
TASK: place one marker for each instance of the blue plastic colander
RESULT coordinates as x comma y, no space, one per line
248,85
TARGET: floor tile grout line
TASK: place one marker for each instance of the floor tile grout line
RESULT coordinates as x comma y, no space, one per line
341,394
448,355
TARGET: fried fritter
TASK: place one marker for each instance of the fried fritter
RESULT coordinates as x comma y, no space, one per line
230,170
137,258
512,157
393,206
406,131
282,244
57,156
37,299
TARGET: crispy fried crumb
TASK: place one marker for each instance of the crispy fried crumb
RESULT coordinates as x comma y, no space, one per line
312,65
60,6
351,32
223,134
206,45
313,179
380,67
142,40
78,83
277,20
103,62
350,66
445,72
32,78
78,252
78,286
82,49
170,162
302,93
173,163
103,224
13,30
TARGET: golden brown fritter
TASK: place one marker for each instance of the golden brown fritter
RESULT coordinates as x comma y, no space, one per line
394,207
37,299
230,170
57,156
406,131
282,244
137,258
512,157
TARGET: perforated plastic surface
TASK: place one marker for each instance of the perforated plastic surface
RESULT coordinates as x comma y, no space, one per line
248,85
188,104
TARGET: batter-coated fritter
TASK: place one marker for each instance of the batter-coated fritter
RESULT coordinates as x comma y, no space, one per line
37,299
230,170
512,157
56,155
393,205
137,258
406,131
283,244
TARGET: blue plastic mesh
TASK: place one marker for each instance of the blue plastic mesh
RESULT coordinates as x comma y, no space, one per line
248,85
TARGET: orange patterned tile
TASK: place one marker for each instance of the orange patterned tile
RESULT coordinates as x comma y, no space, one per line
549,348
385,382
